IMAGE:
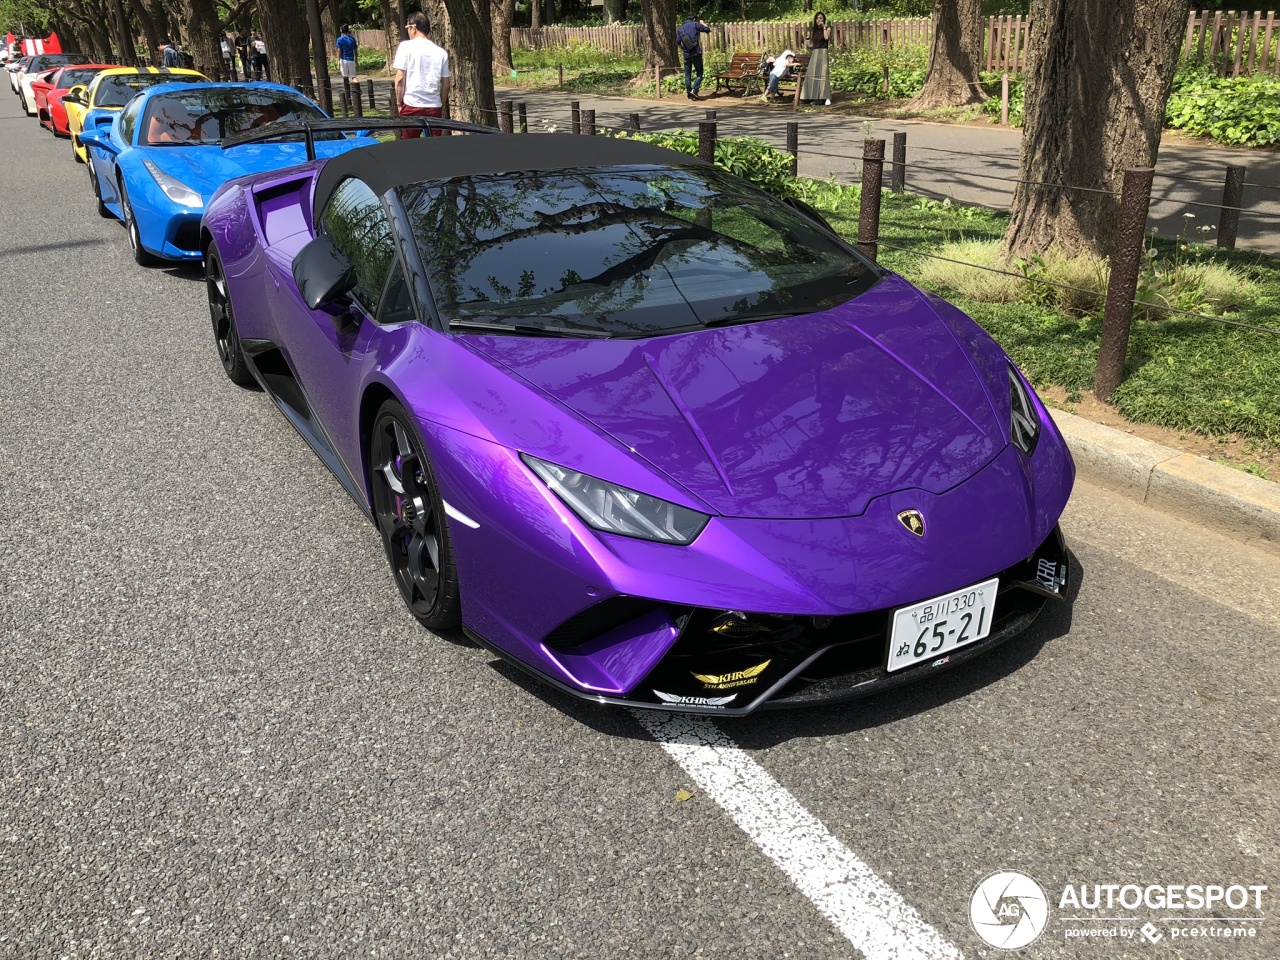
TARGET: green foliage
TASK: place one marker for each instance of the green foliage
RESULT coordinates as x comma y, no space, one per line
862,71
991,106
1231,110
747,157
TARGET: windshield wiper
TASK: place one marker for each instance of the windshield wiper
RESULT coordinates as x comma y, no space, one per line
529,329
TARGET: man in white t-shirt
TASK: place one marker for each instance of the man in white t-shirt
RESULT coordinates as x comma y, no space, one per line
422,75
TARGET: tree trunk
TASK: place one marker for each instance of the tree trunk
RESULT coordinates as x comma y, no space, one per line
203,37
504,11
615,11
471,62
392,29
332,26
659,34
120,32
954,57
535,14
1097,80
284,31
152,29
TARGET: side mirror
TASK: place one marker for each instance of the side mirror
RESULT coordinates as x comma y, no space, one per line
324,276
75,95
97,137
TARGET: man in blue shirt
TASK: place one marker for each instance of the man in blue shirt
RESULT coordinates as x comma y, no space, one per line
690,41
347,57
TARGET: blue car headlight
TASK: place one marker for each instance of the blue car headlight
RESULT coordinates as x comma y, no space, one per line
1024,422
174,189
614,509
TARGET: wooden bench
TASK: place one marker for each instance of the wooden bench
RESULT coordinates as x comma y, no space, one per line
797,73
744,68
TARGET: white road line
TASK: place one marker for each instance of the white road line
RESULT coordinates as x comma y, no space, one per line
870,914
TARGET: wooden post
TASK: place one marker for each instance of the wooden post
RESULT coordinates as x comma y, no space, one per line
793,145
357,100
575,117
707,141
1004,100
635,122
524,118
505,123
372,104
589,122
1127,253
657,83
886,81
869,209
899,174
560,73
1232,198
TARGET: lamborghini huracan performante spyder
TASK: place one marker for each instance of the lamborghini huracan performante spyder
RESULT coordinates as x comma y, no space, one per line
651,434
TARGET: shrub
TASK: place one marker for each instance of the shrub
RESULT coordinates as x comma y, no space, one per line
1231,110
749,158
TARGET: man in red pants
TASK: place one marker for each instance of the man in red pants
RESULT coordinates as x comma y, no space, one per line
422,75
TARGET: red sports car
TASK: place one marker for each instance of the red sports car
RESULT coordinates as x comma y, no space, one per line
49,88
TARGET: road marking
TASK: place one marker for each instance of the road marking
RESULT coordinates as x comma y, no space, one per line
870,914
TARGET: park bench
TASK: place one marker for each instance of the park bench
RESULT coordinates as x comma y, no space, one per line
744,68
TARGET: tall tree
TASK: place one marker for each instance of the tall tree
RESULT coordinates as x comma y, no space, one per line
504,12
471,61
1097,80
955,56
659,34
614,11
204,36
284,31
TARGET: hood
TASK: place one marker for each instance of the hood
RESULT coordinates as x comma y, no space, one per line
206,168
802,417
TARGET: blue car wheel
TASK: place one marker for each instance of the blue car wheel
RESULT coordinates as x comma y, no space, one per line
140,253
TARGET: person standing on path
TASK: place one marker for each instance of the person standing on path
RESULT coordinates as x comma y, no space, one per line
816,84
688,36
422,75
347,47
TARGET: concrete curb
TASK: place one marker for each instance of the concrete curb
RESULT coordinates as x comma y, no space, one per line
1246,507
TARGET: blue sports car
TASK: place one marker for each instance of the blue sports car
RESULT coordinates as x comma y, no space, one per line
161,160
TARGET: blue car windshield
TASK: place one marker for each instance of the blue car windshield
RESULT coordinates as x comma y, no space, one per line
206,116
623,251
119,88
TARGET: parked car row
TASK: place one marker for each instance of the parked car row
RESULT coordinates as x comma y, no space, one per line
649,433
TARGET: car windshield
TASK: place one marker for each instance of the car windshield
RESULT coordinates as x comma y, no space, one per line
118,89
208,116
47,60
622,251
71,77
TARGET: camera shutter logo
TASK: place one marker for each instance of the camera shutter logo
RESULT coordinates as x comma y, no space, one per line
1008,910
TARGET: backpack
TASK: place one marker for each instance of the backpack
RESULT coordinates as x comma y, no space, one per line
765,67
186,60
687,38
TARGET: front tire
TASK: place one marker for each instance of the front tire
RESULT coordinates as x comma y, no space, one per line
225,335
411,519
141,255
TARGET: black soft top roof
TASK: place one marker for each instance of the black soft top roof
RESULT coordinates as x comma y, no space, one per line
391,165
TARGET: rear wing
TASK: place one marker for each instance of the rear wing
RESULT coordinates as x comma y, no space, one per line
309,129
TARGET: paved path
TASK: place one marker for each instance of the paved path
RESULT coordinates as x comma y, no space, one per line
947,160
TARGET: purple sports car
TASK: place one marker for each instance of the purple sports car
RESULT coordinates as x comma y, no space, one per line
647,432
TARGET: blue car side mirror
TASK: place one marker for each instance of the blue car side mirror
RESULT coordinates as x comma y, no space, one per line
324,276
99,138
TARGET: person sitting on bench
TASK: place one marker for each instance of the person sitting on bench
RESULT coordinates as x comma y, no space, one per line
782,68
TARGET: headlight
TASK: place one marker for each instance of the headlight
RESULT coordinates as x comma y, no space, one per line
1024,423
175,190
614,509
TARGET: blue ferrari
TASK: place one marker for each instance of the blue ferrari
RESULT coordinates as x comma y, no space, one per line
161,159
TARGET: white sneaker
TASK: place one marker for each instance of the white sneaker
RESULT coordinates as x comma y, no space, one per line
828,101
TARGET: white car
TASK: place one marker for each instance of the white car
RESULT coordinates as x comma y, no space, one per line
39,64
14,67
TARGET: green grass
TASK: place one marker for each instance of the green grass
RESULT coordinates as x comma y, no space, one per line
1182,372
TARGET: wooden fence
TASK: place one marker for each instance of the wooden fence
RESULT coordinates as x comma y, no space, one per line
1234,43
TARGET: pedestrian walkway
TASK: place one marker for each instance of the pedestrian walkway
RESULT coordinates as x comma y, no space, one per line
944,160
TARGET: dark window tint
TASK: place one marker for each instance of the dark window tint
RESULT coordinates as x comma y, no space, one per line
118,89
74,78
129,120
625,251
358,226
397,304
209,115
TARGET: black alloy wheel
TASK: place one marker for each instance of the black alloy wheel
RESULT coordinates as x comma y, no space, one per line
411,519
141,255
96,187
225,335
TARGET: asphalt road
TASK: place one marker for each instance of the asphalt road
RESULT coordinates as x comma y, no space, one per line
222,736
974,164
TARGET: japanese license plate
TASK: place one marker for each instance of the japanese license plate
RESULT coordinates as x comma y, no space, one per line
931,628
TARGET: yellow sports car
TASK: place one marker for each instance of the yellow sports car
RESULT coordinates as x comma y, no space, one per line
97,103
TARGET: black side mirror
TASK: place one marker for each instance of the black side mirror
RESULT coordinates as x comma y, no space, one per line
324,276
